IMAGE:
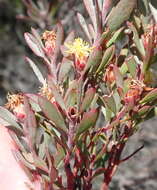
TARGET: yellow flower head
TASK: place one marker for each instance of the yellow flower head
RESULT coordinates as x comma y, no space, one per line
14,100
46,91
79,48
49,36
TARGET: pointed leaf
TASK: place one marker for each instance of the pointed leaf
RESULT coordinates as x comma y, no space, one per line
33,100
84,26
94,58
36,70
33,44
88,121
131,64
51,112
89,95
56,94
65,68
107,113
114,37
37,36
154,12
105,9
10,118
144,110
107,57
17,141
41,164
151,96
71,99
91,11
71,94
110,102
136,39
23,161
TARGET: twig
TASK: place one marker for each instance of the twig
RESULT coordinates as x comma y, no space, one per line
123,160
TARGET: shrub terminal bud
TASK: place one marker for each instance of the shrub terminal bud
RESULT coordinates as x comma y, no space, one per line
49,38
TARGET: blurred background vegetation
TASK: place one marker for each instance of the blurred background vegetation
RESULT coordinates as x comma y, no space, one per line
15,19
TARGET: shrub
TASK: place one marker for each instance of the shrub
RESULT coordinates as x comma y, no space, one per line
92,100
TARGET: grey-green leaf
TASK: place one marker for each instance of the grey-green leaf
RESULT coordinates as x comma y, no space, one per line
107,57
151,96
131,64
120,14
88,121
34,44
36,70
51,112
10,118
89,95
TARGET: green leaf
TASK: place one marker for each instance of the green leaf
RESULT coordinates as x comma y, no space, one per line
19,157
51,112
144,110
17,141
114,37
33,100
88,121
94,58
123,69
33,44
89,95
39,163
110,102
107,113
151,96
136,39
65,68
120,14
36,70
71,99
131,64
107,57
71,94
10,118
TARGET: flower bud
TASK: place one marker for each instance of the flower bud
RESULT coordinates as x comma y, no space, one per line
109,75
49,38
